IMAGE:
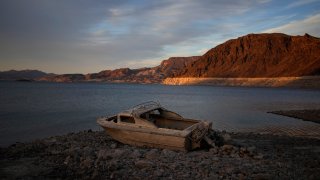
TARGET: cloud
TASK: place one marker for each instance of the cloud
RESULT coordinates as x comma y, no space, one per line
309,25
143,63
300,3
109,33
152,27
94,35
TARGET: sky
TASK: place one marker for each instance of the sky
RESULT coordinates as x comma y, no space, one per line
86,36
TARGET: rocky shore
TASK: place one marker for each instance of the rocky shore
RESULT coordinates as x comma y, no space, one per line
95,155
312,115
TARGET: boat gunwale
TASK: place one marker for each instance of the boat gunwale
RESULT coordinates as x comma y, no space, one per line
162,131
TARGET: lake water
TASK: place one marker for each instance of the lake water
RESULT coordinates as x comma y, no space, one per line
35,110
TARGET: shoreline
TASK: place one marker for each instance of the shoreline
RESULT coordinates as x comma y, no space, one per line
312,82
307,82
312,115
94,154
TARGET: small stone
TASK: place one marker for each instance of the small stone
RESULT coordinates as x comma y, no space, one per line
172,166
73,150
215,159
234,155
152,154
159,173
112,165
103,154
88,151
55,151
243,150
227,147
228,169
241,176
67,160
226,138
87,163
259,156
214,150
119,152
136,154
251,149
261,176
143,164
95,174
113,146
212,175
168,153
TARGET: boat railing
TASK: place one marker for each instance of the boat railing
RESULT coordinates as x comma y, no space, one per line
145,106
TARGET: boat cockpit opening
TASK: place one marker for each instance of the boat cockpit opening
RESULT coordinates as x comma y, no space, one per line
167,119
113,119
127,119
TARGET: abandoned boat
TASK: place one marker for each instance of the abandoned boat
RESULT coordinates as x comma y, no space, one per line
151,125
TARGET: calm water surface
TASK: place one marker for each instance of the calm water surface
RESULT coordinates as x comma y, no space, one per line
36,110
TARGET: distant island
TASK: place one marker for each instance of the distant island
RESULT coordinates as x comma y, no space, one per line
270,60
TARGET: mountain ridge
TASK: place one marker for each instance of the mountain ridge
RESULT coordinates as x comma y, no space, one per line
259,55
157,74
250,56
22,74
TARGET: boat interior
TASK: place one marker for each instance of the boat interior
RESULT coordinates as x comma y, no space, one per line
170,123
161,118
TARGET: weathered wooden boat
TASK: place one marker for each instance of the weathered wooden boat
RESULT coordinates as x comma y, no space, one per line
151,125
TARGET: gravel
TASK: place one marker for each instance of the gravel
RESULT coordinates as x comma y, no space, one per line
95,155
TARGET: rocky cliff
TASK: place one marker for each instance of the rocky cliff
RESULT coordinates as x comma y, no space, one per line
259,55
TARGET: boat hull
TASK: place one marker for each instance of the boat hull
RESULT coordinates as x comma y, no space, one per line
149,139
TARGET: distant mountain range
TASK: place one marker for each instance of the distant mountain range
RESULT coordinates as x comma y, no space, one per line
253,55
167,68
22,75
